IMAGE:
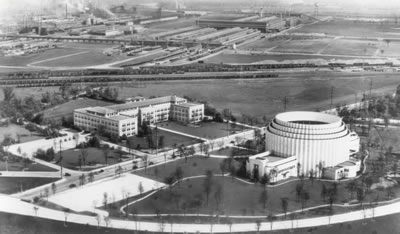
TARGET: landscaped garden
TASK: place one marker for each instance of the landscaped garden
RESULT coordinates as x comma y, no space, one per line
90,158
16,163
209,130
164,139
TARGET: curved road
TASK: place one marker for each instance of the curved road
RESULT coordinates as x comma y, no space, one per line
16,206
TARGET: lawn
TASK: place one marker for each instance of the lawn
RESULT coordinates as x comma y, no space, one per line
95,158
169,140
209,130
67,109
46,54
239,198
354,48
18,165
305,91
16,131
10,185
193,167
348,28
90,58
268,58
303,46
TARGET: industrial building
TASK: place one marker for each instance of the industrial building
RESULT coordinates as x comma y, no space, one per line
274,24
124,119
314,139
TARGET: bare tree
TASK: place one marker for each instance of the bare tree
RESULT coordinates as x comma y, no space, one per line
53,188
106,150
263,198
140,188
207,184
218,195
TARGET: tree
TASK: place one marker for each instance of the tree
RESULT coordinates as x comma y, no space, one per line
368,182
205,148
83,154
178,174
46,193
299,190
305,196
265,180
258,225
140,188
311,176
8,94
360,195
66,213
105,199
224,165
207,184
271,218
263,198
284,204
53,188
82,179
218,195
351,187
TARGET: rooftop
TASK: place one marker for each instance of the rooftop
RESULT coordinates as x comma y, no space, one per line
147,102
307,117
189,104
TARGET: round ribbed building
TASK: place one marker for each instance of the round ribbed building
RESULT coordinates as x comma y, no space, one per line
312,137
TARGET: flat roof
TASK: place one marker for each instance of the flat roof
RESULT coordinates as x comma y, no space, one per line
189,104
307,116
147,102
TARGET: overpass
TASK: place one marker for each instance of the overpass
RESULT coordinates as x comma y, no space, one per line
166,43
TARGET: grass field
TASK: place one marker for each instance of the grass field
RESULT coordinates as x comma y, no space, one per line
354,47
67,109
272,58
238,198
10,185
305,91
210,130
193,167
141,58
14,130
27,59
169,140
303,46
348,28
19,166
95,158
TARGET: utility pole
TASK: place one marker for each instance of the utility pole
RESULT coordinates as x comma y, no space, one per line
370,88
285,101
61,161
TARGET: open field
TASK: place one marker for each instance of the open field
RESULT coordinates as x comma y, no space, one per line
169,140
11,185
193,167
14,131
238,198
355,48
27,59
14,165
31,91
303,46
348,28
305,91
143,57
95,158
66,54
271,58
209,130
67,109
85,198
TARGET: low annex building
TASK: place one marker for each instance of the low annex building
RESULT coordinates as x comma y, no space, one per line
124,119
277,168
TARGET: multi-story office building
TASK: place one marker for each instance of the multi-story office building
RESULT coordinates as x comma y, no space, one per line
124,119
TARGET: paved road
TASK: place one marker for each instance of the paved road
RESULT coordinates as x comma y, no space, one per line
36,174
16,206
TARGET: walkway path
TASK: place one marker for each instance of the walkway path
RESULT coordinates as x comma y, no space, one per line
36,174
